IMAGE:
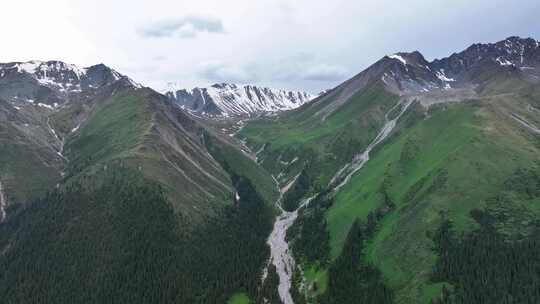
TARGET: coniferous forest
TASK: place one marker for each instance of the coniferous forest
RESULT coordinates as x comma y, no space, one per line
118,241
484,267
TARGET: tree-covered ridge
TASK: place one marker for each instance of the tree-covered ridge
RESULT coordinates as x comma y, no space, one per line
114,238
493,264
351,280
484,267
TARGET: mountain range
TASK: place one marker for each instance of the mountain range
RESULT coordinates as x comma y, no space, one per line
414,181
227,100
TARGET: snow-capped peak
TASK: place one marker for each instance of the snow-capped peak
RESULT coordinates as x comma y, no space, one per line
226,99
67,78
55,82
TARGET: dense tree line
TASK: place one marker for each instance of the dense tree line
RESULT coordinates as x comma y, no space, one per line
268,292
294,196
113,238
350,279
309,234
525,182
484,267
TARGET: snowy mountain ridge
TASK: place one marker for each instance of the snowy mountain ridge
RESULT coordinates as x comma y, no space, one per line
54,81
411,73
225,99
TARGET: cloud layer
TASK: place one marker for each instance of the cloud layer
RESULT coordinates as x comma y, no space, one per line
302,44
221,72
186,27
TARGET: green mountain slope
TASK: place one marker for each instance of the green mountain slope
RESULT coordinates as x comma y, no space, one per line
152,208
450,163
289,142
443,162
412,182
29,163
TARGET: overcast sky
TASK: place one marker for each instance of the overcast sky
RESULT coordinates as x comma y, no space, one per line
296,44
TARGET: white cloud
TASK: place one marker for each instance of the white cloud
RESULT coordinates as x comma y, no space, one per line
186,27
221,72
324,72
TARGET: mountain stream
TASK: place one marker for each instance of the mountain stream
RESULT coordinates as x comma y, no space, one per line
280,254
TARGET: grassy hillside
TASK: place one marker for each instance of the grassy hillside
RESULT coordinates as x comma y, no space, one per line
29,164
158,212
136,128
232,159
114,131
440,165
289,142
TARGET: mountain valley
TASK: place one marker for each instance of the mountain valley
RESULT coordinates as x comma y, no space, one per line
401,185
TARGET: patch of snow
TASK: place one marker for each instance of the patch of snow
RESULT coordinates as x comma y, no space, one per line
442,76
116,75
76,128
398,57
384,79
504,61
28,67
235,100
45,106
